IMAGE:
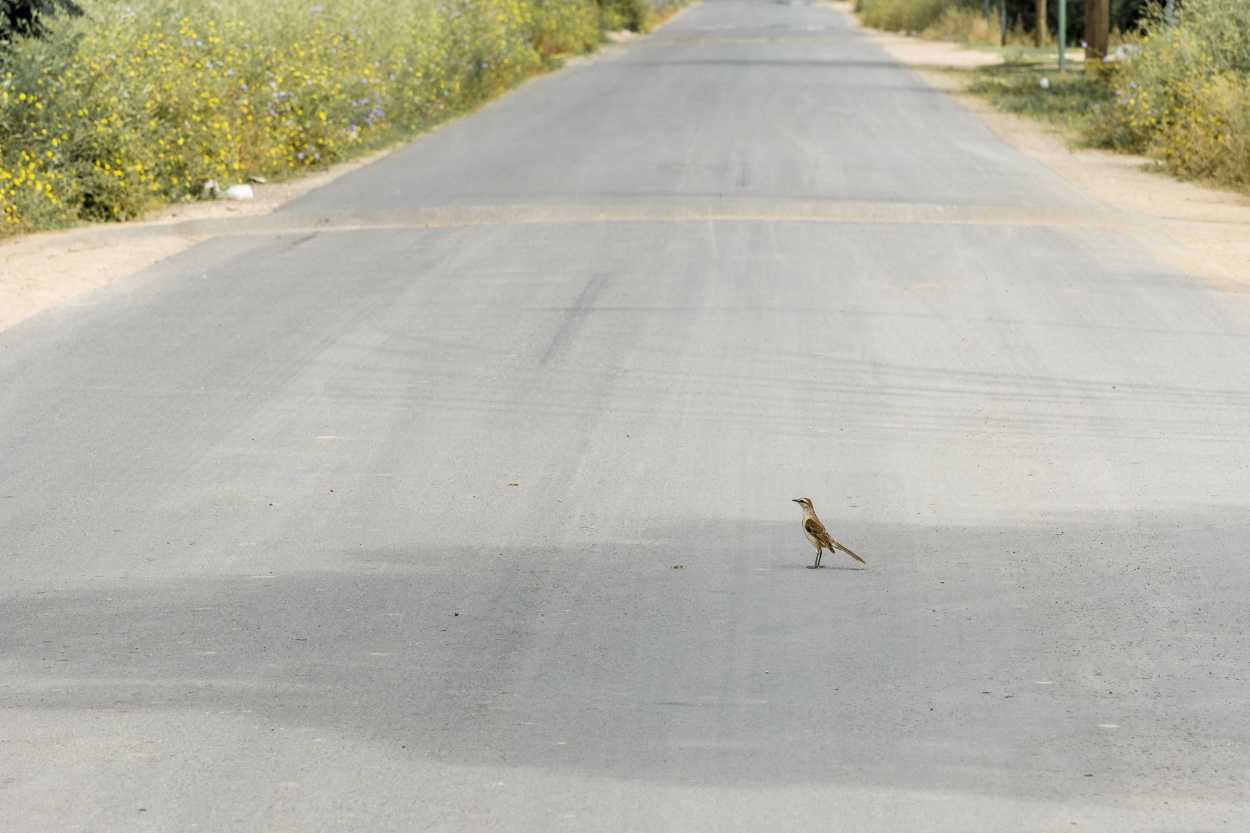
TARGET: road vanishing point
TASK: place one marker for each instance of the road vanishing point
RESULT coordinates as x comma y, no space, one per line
456,495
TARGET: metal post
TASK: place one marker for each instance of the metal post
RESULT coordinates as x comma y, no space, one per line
1063,32
1002,23
1171,13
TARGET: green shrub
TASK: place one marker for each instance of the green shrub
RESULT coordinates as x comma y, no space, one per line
634,15
26,17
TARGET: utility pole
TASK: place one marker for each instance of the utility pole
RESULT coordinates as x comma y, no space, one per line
1041,24
1002,23
1097,32
1063,33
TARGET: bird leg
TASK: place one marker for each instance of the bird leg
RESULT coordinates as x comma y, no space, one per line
819,552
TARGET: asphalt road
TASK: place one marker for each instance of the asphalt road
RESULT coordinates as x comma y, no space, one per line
456,495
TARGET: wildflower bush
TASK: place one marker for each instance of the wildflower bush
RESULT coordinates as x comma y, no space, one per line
565,26
146,100
1184,99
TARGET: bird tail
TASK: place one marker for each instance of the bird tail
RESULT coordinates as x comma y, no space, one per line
852,555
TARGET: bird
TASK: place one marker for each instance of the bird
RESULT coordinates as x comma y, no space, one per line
818,535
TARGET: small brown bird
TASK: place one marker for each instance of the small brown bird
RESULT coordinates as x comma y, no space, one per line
818,535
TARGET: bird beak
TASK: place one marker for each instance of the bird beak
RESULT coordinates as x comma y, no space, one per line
796,500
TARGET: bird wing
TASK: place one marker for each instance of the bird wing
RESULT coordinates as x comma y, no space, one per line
817,530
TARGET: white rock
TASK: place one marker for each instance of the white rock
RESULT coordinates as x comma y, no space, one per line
211,190
239,192
1045,82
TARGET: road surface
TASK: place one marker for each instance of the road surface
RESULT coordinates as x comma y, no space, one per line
456,495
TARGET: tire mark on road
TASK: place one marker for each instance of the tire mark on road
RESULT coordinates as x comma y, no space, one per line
572,321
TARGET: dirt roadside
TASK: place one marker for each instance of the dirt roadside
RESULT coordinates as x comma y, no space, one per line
1202,231
41,270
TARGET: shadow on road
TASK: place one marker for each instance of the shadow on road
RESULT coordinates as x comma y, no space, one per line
962,657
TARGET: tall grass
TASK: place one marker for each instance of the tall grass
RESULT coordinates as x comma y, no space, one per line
140,101
964,25
960,21
1185,97
969,26
908,15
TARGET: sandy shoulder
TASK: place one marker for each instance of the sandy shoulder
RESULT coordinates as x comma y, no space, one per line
1204,231
38,271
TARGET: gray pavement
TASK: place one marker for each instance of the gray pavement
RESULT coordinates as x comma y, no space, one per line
367,516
